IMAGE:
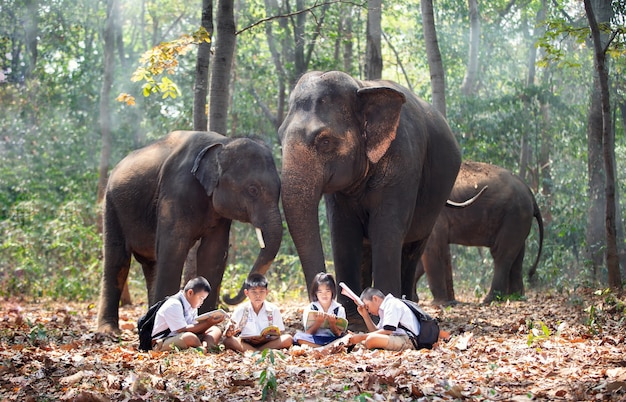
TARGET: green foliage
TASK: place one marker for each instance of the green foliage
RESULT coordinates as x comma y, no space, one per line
538,332
267,376
50,251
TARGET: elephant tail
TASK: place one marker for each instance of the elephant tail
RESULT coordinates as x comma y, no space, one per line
537,215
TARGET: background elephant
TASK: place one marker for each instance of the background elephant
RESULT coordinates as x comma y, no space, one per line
186,187
385,162
500,219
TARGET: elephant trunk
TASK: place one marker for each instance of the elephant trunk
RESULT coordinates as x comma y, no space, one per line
300,199
270,235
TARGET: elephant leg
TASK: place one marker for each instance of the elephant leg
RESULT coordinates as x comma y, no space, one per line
437,263
411,256
114,275
348,255
503,258
149,273
212,257
366,267
516,277
171,252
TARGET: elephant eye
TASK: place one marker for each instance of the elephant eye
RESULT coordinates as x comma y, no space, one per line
253,191
324,144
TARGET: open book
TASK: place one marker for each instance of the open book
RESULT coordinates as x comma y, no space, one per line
267,334
345,290
341,323
214,313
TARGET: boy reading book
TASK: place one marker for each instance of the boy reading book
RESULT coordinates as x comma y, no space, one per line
394,315
256,324
175,324
324,319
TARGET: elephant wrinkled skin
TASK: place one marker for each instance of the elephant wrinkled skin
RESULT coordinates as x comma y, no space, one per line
385,162
500,219
186,187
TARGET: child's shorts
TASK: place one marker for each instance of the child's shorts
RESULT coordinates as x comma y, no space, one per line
399,342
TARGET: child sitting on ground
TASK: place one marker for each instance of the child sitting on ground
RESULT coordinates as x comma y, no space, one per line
324,329
178,316
251,318
393,314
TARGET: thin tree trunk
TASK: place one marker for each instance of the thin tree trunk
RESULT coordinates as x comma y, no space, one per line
222,66
608,147
435,64
201,85
469,81
31,30
374,59
346,35
595,231
105,94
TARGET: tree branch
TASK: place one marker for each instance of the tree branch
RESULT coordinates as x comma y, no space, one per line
292,14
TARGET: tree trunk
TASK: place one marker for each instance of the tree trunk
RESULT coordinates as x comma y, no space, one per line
469,81
435,64
608,142
374,58
105,92
222,66
201,85
31,31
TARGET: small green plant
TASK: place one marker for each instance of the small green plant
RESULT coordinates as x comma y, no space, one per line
592,320
538,332
38,334
267,378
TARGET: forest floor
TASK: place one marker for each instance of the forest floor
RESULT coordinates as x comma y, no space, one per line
566,346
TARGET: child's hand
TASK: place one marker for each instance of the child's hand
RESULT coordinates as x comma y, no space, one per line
362,310
332,319
230,331
319,318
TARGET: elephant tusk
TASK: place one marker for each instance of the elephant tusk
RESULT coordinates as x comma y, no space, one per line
259,236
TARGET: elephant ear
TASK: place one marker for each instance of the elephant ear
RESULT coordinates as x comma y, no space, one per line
380,109
206,167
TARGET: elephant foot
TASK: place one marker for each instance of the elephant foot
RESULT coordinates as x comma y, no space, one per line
444,303
108,328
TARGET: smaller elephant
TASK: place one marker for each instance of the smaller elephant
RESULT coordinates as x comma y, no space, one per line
182,190
500,219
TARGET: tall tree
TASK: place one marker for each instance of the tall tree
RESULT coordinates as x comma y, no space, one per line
201,85
601,85
469,81
373,52
435,64
105,94
219,94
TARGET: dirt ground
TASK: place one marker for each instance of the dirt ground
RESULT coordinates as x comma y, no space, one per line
567,346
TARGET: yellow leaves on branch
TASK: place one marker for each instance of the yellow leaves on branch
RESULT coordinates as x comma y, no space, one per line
160,61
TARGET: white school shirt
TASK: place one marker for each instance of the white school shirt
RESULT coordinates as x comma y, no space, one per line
393,312
172,315
257,322
341,313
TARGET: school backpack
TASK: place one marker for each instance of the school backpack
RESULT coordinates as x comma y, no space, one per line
145,324
429,327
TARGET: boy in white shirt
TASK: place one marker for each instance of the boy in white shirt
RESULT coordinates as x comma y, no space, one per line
393,313
175,323
252,317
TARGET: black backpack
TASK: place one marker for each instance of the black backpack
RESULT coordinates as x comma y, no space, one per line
145,324
429,327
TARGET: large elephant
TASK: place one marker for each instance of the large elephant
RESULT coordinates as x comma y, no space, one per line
500,219
187,187
385,162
